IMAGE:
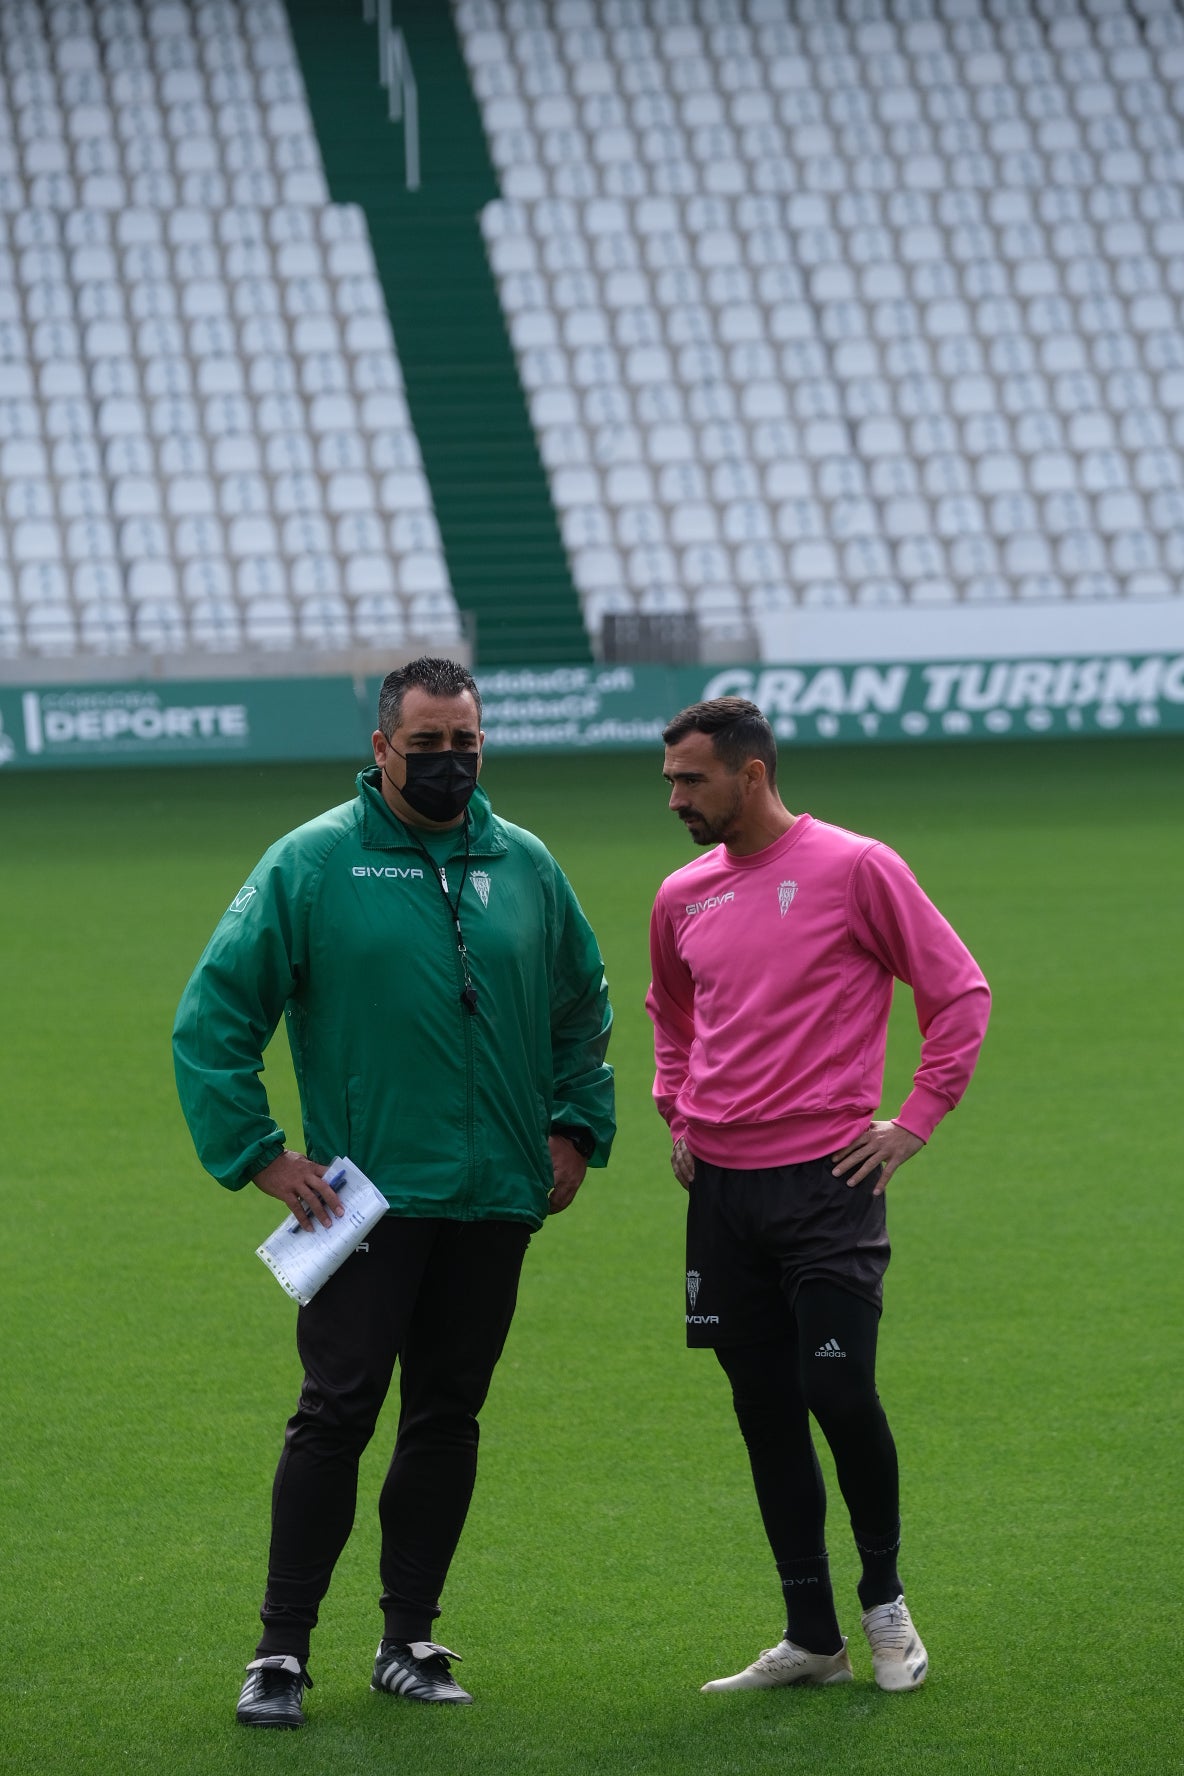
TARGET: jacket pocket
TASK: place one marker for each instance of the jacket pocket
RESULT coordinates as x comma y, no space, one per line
356,1122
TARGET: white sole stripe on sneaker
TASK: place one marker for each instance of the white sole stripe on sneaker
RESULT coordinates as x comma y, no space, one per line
408,1683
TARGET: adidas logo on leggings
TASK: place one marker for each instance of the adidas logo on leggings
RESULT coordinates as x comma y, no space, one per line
830,1349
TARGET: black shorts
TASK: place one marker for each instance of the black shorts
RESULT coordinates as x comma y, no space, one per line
754,1237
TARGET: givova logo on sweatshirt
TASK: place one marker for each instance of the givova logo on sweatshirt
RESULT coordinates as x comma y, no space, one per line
713,900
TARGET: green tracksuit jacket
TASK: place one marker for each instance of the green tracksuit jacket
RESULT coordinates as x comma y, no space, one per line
343,931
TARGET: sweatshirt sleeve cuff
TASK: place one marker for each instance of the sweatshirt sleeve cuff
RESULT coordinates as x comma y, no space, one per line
256,1158
921,1113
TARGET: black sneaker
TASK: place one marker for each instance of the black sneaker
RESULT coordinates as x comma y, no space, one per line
273,1691
417,1669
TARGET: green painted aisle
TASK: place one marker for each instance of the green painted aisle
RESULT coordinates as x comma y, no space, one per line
501,541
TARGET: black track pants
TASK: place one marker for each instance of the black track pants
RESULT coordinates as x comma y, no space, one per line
438,1296
825,1366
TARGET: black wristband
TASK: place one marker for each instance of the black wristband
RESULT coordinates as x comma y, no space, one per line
581,1139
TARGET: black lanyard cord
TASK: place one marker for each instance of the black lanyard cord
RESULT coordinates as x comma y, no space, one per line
468,995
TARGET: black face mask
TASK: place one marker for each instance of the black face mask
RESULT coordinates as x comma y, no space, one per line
439,784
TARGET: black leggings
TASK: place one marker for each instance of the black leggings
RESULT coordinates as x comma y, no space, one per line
439,1296
827,1367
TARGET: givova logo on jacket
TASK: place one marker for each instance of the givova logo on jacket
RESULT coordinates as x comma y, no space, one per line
391,872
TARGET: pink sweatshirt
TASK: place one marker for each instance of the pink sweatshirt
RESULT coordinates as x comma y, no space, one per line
772,982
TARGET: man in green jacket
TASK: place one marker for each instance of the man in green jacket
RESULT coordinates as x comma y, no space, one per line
448,1018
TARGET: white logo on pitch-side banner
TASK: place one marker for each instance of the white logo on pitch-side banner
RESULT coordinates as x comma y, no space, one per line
785,894
7,748
713,900
480,881
127,720
241,898
693,1281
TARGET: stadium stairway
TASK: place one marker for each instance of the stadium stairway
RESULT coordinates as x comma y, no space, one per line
497,523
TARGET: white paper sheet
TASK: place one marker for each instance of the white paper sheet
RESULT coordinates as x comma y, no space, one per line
300,1261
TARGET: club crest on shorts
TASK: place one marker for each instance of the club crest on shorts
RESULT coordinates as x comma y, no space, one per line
785,894
480,881
693,1281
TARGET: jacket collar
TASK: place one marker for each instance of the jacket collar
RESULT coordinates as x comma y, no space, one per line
382,830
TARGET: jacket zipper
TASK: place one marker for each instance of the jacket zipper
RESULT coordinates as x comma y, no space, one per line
470,1106
467,1019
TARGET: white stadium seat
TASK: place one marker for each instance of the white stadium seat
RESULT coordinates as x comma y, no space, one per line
972,228
187,317
890,293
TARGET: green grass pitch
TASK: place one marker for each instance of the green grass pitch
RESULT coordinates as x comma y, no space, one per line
614,1558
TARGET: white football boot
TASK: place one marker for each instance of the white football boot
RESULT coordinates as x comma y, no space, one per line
899,1660
786,1664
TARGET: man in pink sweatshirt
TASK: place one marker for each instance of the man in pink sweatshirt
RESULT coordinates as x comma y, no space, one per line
774,957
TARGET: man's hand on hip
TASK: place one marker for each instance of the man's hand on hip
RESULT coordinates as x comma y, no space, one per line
682,1164
299,1183
884,1143
568,1168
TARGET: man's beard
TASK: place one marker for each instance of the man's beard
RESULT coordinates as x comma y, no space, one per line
713,832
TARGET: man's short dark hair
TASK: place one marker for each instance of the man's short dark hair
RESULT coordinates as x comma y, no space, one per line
439,678
739,732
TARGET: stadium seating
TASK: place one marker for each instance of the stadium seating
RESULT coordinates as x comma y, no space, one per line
204,443
845,301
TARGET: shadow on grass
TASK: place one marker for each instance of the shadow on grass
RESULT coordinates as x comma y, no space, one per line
623,1735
